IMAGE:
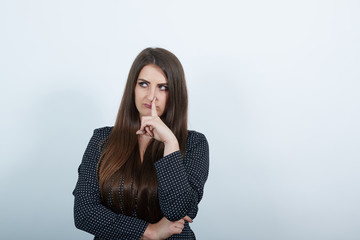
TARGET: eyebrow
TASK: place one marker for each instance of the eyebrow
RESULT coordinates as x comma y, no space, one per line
140,79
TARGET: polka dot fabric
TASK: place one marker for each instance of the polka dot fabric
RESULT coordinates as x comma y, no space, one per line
181,183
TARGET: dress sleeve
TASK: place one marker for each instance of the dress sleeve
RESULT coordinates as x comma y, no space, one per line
181,180
89,213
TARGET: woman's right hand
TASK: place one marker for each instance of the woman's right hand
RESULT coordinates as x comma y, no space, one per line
164,229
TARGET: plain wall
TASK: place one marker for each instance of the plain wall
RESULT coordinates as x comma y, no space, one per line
274,85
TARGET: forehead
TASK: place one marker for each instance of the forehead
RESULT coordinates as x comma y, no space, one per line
152,74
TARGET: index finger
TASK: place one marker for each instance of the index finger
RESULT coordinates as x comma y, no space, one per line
153,108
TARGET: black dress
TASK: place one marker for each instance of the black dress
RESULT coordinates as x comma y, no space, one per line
180,188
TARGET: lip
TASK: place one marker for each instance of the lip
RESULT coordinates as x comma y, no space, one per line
147,105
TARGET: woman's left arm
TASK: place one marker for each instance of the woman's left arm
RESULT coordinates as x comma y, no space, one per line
181,179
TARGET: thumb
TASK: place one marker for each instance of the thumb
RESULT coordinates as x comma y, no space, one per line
187,218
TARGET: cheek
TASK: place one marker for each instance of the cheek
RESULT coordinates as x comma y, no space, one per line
164,100
137,97
138,94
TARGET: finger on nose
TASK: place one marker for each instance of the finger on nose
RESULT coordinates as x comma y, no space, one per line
153,108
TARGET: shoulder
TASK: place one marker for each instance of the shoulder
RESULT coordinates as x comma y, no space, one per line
196,138
196,158
103,132
95,145
194,135
100,136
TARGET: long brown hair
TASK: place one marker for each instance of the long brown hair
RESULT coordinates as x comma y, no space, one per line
125,181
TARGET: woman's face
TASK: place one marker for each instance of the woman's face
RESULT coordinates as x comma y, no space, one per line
151,83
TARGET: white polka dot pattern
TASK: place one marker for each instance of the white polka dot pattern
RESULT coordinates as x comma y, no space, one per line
181,182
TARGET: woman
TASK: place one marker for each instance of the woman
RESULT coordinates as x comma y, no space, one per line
144,177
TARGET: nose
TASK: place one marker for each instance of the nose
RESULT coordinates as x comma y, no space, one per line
151,94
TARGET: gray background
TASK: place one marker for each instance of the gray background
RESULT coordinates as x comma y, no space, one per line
274,85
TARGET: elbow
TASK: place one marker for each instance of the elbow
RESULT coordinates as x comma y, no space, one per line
179,208
81,214
174,215
192,212
79,220
78,224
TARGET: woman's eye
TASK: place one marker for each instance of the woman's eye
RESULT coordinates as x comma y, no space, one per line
163,88
142,84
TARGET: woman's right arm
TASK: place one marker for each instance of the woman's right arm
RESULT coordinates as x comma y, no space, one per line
93,217
89,213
